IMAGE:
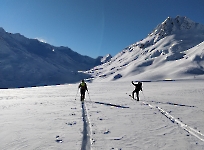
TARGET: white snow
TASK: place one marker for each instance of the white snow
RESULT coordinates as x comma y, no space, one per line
173,50
169,116
106,58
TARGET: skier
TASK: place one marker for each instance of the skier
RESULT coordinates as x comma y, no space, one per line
138,87
83,89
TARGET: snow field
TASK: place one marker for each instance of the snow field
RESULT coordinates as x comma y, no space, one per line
39,118
50,117
123,120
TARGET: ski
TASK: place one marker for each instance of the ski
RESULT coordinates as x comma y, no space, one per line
133,98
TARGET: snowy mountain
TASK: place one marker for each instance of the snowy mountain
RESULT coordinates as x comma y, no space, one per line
106,58
29,62
173,50
168,115
102,59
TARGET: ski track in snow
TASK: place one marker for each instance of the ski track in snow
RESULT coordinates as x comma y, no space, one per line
86,139
170,103
87,142
187,128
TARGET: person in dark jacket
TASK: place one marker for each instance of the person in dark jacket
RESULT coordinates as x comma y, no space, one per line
83,89
138,87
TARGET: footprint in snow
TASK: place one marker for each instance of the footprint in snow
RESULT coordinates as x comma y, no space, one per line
117,138
72,114
116,148
71,123
106,132
100,118
58,140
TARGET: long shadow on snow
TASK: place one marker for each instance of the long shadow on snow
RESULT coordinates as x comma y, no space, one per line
86,139
109,104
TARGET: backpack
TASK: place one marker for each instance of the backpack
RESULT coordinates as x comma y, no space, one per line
83,85
139,86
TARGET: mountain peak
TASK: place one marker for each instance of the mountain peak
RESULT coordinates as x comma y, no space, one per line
106,58
173,50
172,25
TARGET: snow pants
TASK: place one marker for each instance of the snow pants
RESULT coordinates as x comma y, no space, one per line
137,94
82,91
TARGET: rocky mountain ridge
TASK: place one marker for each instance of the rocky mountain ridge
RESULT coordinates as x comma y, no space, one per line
164,53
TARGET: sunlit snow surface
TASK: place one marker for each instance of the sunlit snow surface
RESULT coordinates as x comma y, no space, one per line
169,116
174,49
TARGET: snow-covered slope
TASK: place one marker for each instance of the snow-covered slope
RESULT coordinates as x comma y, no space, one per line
174,49
29,62
106,58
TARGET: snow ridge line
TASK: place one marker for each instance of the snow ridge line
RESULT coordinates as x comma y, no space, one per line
187,128
86,139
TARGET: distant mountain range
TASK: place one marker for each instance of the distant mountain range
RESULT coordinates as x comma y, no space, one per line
28,62
173,50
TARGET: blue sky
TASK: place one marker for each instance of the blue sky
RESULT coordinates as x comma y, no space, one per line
93,27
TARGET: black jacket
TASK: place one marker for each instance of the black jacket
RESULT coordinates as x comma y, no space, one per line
138,86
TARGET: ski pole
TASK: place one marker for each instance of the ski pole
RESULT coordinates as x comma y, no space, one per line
76,93
89,96
90,99
143,95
